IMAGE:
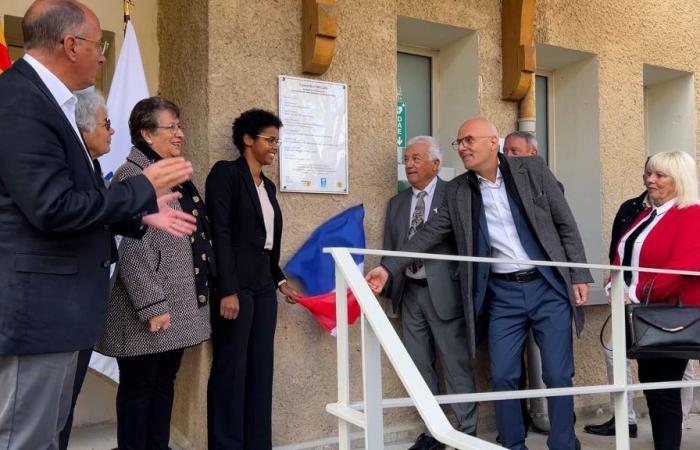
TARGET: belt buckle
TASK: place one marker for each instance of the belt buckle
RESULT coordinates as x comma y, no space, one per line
520,277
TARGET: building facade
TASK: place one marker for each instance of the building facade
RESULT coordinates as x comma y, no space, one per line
616,82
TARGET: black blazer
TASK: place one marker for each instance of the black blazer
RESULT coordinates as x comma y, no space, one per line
629,210
238,228
55,223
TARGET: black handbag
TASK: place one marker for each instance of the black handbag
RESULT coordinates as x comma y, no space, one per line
660,330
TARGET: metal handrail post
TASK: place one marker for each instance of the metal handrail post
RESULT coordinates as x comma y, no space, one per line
372,383
617,296
342,343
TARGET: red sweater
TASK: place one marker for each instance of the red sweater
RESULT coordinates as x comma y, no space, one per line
674,243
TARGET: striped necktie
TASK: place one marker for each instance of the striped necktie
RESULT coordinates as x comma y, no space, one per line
416,223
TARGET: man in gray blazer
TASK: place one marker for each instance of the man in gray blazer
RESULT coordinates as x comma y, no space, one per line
426,293
510,208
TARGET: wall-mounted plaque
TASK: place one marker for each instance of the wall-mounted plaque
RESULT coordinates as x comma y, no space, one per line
314,152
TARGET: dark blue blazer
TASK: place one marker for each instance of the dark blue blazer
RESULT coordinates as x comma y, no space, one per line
56,223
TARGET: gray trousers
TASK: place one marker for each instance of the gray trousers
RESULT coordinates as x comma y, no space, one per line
35,399
423,331
631,413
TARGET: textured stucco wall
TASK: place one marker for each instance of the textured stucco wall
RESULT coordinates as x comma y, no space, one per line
220,57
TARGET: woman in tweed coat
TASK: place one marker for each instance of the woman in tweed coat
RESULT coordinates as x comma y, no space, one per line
159,304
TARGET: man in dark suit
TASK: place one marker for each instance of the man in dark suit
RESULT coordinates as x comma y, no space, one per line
511,208
427,292
56,221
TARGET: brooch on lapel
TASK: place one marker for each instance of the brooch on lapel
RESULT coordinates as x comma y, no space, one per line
435,210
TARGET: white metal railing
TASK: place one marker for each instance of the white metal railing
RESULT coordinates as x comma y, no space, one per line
378,333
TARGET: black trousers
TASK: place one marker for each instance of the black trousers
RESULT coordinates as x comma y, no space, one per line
665,411
239,396
80,371
145,400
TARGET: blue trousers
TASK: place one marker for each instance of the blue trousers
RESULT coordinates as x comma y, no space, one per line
514,309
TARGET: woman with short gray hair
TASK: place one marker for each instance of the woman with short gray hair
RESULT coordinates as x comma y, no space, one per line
93,123
96,131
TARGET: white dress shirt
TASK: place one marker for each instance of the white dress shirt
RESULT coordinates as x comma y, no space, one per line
63,96
505,242
631,290
428,199
268,215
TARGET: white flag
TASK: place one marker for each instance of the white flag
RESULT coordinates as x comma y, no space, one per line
128,87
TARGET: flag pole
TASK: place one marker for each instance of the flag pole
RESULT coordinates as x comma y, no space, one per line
127,12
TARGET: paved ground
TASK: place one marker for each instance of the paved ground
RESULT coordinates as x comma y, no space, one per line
103,437
98,437
691,438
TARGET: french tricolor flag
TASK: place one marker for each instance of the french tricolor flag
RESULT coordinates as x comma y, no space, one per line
315,270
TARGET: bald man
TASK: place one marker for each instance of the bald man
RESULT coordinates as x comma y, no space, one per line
510,208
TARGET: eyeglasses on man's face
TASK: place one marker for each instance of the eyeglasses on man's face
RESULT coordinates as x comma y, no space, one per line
467,140
173,128
102,45
108,124
269,139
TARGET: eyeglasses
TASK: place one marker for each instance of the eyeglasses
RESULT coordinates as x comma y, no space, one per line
108,124
270,139
467,140
102,45
174,127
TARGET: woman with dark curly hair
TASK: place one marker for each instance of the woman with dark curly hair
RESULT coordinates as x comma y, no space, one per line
247,229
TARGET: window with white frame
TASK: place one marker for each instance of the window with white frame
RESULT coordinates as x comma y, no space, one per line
415,88
669,110
542,107
438,82
567,95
